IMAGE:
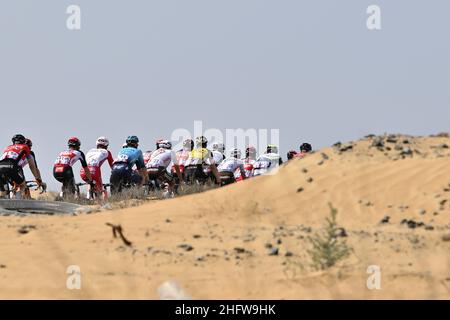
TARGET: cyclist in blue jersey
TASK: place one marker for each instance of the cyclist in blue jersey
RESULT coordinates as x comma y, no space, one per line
122,173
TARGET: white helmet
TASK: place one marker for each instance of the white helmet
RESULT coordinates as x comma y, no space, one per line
217,146
103,141
165,144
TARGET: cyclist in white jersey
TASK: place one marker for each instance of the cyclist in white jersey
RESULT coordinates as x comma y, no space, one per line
229,166
267,161
160,163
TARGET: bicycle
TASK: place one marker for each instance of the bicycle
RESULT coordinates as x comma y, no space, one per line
92,194
14,193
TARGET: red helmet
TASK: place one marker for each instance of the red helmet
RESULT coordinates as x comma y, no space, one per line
74,142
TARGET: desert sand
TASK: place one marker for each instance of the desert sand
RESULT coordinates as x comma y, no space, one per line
216,244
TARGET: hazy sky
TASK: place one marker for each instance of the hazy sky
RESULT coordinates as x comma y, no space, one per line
309,68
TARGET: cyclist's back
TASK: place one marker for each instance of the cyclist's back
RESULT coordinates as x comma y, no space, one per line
267,161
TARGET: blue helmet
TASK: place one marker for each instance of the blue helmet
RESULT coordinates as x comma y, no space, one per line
132,140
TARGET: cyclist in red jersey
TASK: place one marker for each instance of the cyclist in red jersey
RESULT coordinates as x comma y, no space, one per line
62,169
14,158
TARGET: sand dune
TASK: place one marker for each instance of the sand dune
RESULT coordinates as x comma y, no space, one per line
215,244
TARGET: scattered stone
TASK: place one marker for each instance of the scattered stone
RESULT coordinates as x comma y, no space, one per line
325,156
341,232
429,228
273,252
378,142
391,139
288,254
304,170
26,228
239,250
412,224
106,206
2,266
268,245
321,162
406,152
385,220
309,180
196,236
301,189
443,146
186,247
422,212
446,237
168,221
279,241
200,258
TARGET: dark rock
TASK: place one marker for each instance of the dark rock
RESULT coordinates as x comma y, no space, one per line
385,220
422,212
239,250
168,221
309,180
443,146
446,237
321,162
186,247
304,170
391,139
378,142
26,228
2,266
341,233
268,245
288,254
429,228
301,189
325,156
196,236
273,252
279,241
406,152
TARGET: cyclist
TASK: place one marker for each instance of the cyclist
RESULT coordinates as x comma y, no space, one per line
94,159
159,166
218,151
249,161
200,163
12,161
229,166
62,168
267,161
122,169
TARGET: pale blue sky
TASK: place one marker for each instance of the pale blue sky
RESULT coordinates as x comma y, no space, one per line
309,68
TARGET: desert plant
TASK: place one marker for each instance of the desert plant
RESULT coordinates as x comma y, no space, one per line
327,248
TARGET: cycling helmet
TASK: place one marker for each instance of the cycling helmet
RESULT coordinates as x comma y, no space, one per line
74,142
201,141
250,152
165,144
235,153
28,142
271,148
218,146
18,139
132,140
103,141
188,144
291,154
305,147
124,145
